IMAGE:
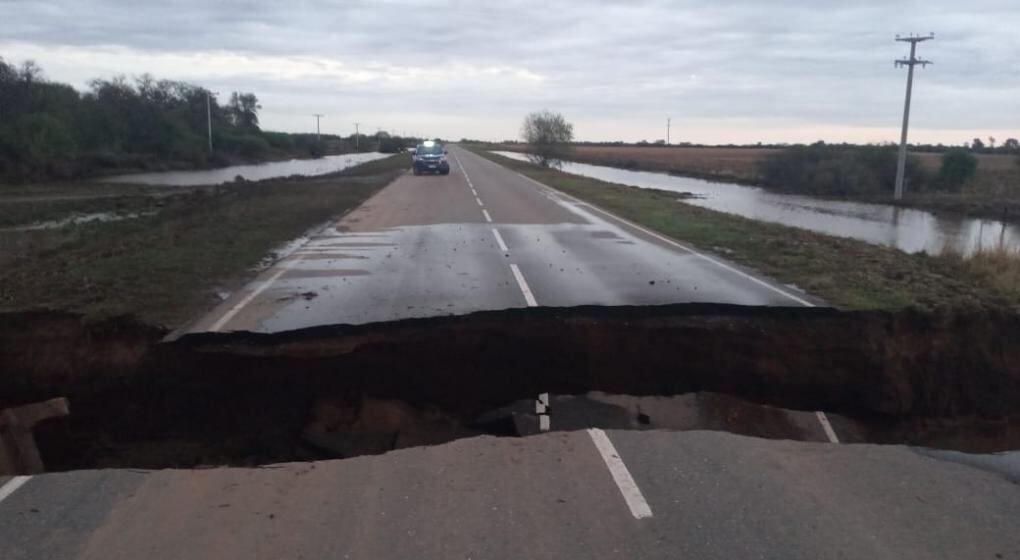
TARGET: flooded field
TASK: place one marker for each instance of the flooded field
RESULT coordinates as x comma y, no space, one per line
904,228
257,172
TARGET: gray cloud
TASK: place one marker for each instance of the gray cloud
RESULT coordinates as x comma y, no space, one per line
742,70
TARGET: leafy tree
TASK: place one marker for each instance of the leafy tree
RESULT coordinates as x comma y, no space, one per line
548,135
977,145
1011,145
49,129
958,165
43,137
244,110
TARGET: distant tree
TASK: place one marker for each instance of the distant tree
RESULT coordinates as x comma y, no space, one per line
991,142
31,72
43,137
1011,145
977,145
958,165
549,136
50,130
244,110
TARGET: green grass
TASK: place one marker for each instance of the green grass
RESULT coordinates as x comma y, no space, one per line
847,273
166,268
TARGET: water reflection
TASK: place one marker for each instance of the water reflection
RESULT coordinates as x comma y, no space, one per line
904,228
256,172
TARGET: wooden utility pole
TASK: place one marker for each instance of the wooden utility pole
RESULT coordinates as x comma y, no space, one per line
910,63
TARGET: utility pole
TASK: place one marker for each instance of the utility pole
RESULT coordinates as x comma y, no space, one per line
208,114
910,63
668,119
317,117
357,138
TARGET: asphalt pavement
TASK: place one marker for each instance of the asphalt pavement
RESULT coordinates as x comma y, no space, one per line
481,238
559,495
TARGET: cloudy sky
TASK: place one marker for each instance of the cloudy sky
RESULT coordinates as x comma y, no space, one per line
740,71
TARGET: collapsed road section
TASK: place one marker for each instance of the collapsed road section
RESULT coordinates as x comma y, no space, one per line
941,380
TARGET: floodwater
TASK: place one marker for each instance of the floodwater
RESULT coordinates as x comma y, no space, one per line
256,172
906,229
78,219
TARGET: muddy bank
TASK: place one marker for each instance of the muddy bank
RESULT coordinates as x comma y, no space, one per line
247,398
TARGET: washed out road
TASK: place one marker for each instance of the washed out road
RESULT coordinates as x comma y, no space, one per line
481,238
486,238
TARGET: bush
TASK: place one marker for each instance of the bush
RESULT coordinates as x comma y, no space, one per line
958,165
827,170
279,140
249,146
391,144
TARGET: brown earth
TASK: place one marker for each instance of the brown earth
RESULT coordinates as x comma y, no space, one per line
246,398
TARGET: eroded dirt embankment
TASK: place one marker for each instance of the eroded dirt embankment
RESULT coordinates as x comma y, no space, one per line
247,398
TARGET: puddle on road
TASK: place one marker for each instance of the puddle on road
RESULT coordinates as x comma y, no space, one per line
297,273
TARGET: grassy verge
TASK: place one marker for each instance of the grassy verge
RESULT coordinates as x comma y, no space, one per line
166,267
848,273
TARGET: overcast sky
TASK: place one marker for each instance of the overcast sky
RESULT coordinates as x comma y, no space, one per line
740,71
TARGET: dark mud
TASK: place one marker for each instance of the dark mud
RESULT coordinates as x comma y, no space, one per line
945,380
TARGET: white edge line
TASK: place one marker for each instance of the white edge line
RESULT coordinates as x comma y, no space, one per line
639,508
499,241
523,285
488,218
479,201
13,484
248,299
673,242
824,421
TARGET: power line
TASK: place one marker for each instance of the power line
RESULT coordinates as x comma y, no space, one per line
910,63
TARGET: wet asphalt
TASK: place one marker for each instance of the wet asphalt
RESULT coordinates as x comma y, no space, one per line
704,495
481,238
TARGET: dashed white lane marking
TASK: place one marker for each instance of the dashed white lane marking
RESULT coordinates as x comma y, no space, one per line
13,484
499,241
254,294
824,421
479,201
639,508
464,171
488,218
674,243
523,285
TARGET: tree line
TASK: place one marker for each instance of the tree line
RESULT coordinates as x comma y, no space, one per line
50,130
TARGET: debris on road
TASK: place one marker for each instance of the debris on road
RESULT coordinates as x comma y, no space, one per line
19,454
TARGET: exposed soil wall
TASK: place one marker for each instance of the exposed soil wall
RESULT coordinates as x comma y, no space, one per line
243,397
